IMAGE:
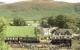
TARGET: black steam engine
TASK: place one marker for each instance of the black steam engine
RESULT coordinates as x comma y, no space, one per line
66,42
21,40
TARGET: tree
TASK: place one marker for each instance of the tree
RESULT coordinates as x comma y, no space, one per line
3,25
78,22
78,25
60,21
51,21
66,22
19,22
37,32
44,23
72,23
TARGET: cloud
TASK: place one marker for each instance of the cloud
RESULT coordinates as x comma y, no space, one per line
71,1
12,1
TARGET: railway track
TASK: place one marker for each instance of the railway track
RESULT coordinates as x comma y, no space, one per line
34,46
29,45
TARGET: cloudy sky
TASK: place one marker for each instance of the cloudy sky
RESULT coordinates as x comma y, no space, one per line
71,1
12,1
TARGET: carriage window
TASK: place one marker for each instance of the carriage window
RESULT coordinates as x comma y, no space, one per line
68,33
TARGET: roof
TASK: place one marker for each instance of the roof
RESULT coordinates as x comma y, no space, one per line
63,31
19,31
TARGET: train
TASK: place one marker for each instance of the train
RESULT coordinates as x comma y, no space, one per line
67,42
21,40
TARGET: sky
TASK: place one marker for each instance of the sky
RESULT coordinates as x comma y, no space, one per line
70,1
10,1
13,1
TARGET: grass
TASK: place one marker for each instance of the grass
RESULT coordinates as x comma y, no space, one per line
37,14
19,31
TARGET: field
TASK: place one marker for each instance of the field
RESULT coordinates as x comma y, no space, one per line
19,31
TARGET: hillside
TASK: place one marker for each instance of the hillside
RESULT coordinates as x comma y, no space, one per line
34,10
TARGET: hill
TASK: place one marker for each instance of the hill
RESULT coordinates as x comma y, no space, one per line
36,10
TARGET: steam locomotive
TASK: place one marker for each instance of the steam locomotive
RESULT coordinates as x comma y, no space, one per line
67,42
21,39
